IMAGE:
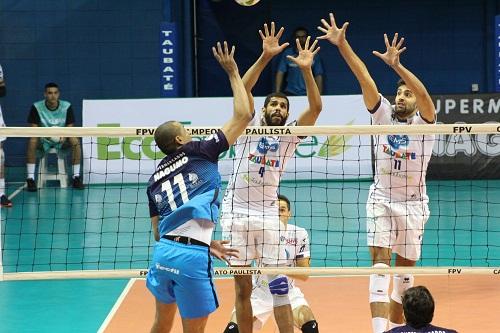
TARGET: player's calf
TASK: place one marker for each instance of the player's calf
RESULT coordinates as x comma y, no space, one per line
400,283
379,293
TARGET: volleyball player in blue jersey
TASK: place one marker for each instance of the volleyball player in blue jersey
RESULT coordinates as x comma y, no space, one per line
184,207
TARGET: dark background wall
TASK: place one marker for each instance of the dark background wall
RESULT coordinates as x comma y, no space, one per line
102,49
450,43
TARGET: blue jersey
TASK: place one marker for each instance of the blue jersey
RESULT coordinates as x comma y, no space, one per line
426,329
186,184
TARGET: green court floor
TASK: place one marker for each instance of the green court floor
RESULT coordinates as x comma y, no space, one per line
109,228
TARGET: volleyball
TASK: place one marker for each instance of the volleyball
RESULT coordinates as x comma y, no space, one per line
247,2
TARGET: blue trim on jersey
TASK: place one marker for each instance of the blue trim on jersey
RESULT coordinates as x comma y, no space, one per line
202,206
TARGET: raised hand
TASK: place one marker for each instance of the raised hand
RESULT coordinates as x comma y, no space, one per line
332,32
218,250
306,55
391,55
225,58
270,40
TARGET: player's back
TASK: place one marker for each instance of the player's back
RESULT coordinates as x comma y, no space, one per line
186,184
426,329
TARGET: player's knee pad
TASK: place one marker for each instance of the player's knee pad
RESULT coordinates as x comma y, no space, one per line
278,286
401,282
232,328
310,327
379,285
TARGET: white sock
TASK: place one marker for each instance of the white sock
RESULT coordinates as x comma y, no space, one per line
2,186
76,170
392,325
31,170
379,325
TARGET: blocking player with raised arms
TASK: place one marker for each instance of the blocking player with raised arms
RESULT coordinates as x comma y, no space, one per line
250,216
298,253
397,207
184,207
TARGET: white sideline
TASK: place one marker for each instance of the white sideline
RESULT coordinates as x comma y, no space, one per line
16,192
115,307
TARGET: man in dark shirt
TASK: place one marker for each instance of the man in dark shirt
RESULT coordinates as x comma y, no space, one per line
418,308
52,112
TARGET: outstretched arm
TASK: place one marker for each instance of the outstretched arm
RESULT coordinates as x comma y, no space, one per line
391,57
336,36
242,113
304,61
220,251
270,48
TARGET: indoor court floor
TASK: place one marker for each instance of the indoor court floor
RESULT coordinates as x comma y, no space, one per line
62,229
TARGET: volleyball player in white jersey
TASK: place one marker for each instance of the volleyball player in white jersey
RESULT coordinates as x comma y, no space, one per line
250,217
397,207
296,244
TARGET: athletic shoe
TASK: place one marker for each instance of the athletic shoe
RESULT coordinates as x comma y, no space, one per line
77,183
31,185
5,202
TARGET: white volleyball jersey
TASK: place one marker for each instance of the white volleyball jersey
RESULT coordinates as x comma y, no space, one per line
400,160
257,169
296,242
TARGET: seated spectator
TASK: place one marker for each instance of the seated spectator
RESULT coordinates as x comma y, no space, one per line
52,112
4,200
418,308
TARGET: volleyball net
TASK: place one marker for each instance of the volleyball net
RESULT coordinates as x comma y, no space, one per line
104,230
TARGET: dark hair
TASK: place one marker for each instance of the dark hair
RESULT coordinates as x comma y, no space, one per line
300,29
165,136
51,85
400,83
277,94
285,199
418,306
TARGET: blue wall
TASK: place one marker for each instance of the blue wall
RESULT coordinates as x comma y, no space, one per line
450,43
91,48
109,49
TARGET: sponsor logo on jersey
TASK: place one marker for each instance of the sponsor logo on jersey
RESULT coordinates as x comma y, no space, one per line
397,141
264,146
404,155
212,136
193,178
264,161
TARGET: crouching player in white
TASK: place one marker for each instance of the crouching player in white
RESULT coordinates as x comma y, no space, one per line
296,241
397,207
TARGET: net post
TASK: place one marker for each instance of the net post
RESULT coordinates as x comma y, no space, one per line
1,244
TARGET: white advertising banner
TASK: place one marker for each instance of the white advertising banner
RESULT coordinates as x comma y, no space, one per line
133,159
